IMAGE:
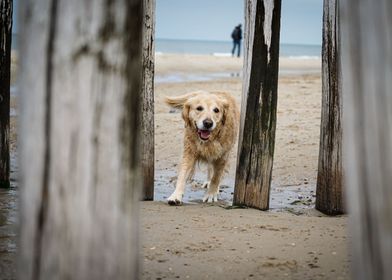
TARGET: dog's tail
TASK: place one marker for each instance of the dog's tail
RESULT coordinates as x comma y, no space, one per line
179,101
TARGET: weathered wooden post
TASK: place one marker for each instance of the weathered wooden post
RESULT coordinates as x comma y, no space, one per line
147,95
79,144
366,28
259,99
5,70
329,194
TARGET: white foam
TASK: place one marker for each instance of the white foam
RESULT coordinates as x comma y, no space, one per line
222,54
304,57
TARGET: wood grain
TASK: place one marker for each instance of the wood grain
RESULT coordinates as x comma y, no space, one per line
5,70
147,118
329,193
259,101
79,145
367,138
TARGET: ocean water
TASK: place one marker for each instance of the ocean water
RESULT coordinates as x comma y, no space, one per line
223,48
218,48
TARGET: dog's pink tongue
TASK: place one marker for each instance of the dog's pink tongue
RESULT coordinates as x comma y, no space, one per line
204,134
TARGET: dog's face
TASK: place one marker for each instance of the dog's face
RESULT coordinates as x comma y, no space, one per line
205,113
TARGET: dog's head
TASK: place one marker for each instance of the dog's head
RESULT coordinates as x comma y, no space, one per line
205,113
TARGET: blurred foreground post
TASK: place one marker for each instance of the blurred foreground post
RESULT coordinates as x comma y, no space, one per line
329,196
259,99
79,142
147,117
366,27
5,70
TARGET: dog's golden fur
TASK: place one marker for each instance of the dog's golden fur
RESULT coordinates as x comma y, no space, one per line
211,146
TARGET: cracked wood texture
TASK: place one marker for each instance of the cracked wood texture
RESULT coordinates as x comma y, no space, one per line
80,86
147,117
366,28
5,67
259,100
329,192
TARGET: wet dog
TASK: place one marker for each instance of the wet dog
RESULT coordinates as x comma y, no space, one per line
211,125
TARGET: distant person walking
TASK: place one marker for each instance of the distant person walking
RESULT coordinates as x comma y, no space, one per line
237,37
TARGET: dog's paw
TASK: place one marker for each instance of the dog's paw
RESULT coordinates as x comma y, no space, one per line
205,185
175,199
210,197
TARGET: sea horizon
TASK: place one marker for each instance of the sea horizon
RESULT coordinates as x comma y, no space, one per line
207,40
223,48
217,48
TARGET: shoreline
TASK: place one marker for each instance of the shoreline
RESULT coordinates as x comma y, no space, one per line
178,67
175,68
180,77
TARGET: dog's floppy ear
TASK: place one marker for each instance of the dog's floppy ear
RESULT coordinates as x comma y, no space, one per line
182,102
185,114
225,108
178,102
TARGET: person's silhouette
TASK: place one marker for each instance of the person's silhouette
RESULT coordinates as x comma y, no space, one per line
236,35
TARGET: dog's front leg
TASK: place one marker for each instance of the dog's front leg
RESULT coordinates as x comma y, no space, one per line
209,176
213,188
186,169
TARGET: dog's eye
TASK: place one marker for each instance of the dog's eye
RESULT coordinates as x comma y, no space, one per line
216,110
199,108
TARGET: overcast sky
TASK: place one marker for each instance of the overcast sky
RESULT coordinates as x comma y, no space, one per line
15,16
301,21
214,19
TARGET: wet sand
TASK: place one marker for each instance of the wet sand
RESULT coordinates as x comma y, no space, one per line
297,136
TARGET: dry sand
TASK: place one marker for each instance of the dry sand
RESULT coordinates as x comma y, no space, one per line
199,241
210,242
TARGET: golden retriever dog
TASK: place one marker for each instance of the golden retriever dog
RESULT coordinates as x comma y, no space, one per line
211,125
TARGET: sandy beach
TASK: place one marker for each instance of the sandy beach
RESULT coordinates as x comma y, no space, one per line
203,241
199,241
211,242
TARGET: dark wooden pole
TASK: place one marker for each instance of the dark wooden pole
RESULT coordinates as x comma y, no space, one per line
147,95
367,91
259,101
80,86
329,193
5,69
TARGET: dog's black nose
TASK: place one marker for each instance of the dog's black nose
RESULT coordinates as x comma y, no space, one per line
207,123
